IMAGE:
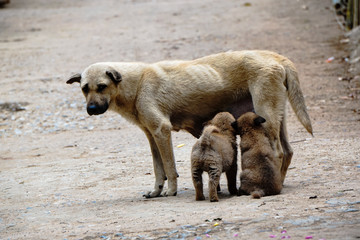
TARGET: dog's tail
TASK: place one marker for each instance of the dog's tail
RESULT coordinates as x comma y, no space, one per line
295,95
206,137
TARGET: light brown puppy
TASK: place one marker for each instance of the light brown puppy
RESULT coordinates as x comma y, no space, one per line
260,174
175,95
215,152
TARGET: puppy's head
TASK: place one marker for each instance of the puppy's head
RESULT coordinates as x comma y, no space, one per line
247,122
98,83
223,121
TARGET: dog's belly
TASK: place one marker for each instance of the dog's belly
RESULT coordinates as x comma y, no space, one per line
240,107
193,122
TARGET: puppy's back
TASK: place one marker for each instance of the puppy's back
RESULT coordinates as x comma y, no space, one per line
213,149
207,137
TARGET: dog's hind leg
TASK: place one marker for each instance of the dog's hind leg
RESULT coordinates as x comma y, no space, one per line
158,168
288,152
214,181
231,174
231,179
198,183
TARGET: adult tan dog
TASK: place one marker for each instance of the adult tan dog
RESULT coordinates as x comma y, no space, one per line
260,174
174,95
215,152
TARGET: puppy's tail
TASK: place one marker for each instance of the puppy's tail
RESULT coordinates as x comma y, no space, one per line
207,135
258,193
295,95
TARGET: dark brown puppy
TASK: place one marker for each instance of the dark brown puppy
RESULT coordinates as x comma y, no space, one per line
260,174
215,152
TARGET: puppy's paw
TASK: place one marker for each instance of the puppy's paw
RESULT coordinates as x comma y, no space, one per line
242,192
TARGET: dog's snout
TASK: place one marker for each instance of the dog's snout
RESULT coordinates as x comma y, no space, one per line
94,109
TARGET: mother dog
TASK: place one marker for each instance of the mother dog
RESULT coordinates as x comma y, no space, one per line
175,95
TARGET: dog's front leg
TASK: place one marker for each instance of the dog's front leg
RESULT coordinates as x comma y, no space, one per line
162,136
160,176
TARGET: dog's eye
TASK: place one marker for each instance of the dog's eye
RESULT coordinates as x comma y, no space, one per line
101,87
85,88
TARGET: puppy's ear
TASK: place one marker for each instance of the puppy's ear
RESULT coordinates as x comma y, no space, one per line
259,120
74,78
114,75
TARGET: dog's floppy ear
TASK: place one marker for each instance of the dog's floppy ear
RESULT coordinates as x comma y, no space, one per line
114,75
74,78
259,120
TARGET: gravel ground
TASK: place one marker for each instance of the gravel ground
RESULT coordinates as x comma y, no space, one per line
65,175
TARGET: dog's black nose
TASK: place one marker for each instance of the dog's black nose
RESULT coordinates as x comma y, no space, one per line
96,109
92,109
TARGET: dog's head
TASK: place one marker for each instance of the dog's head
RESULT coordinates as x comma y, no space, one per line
223,121
99,84
247,122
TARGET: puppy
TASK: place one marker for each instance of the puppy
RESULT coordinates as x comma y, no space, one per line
215,152
182,95
260,174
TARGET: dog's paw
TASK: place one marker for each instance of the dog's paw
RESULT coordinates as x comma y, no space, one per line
200,198
170,193
233,191
152,194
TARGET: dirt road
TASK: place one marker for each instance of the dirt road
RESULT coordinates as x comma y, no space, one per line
65,175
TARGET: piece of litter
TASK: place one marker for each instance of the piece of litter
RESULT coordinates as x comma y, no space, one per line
180,145
272,236
345,78
330,59
304,7
236,235
309,237
216,224
207,235
283,231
